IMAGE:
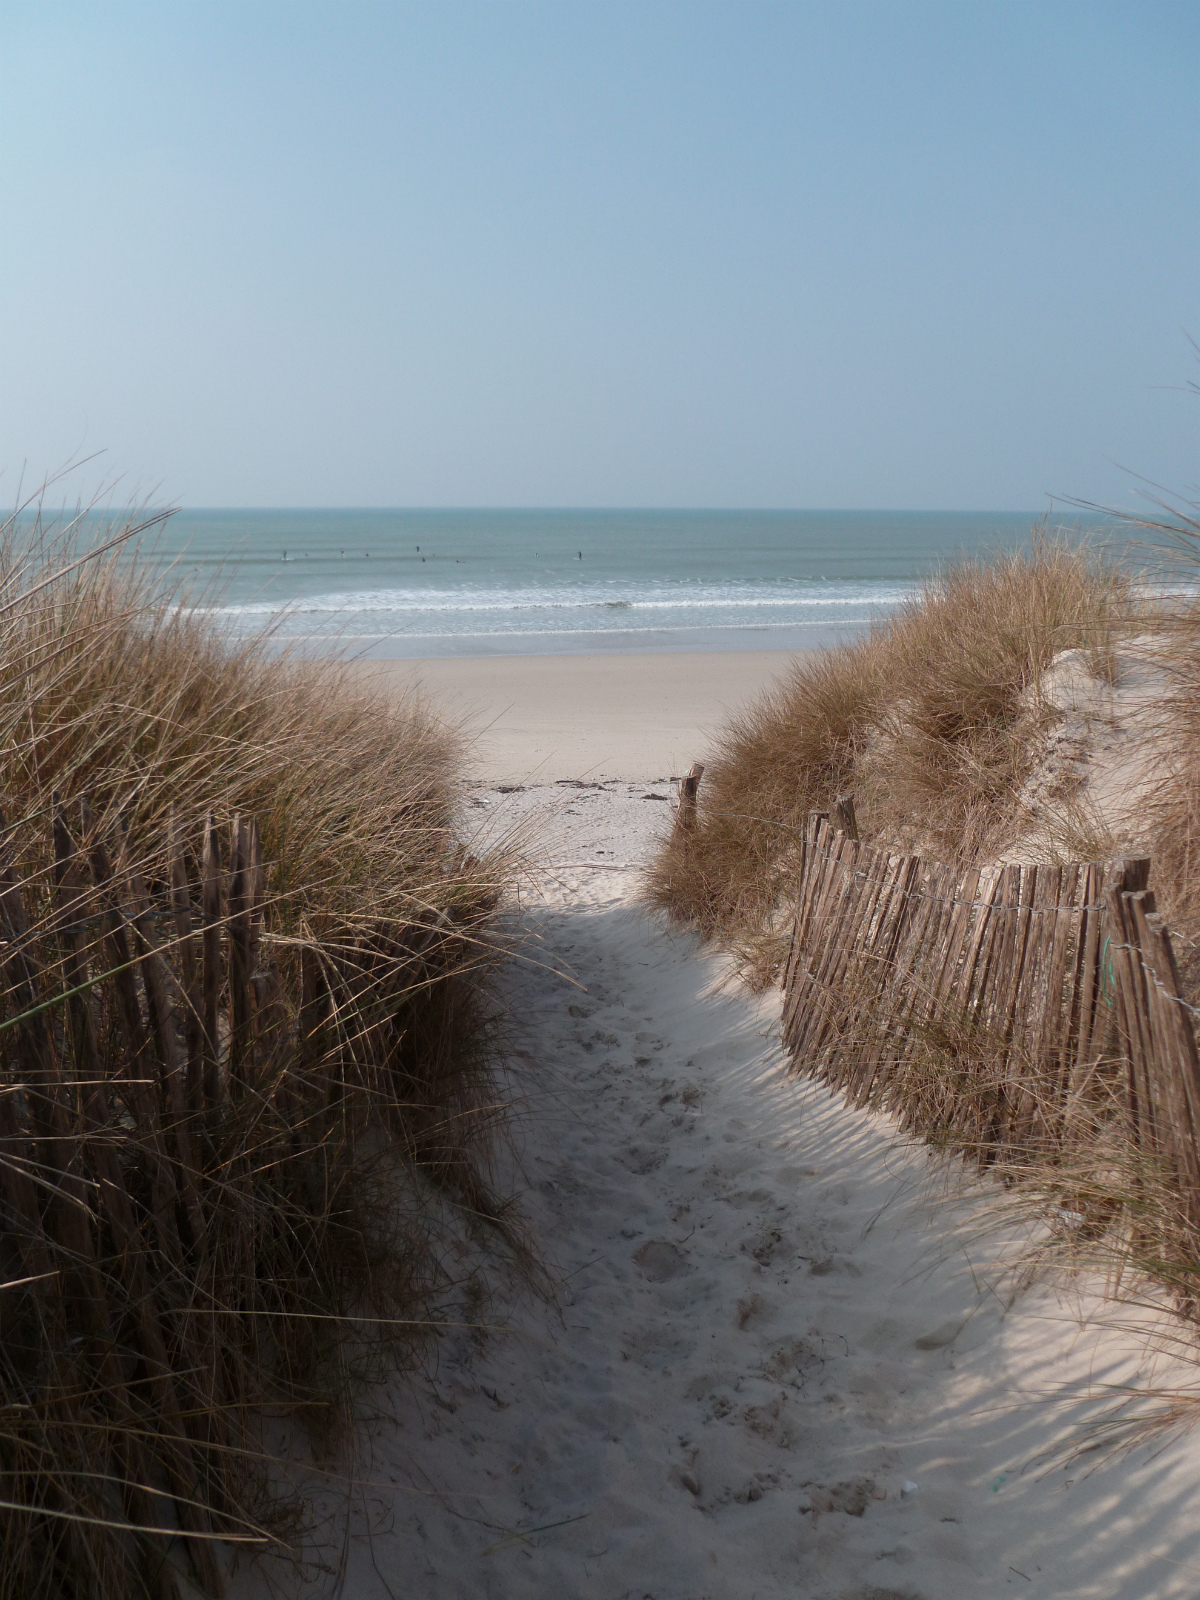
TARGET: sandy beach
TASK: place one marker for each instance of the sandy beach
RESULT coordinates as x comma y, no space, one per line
536,719
780,1360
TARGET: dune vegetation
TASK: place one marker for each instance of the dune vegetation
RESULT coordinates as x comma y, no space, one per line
936,722
187,1251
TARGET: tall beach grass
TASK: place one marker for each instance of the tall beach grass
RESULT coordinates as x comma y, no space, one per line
313,1251
931,720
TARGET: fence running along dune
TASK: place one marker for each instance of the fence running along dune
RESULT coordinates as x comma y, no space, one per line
1003,1009
181,1088
247,1066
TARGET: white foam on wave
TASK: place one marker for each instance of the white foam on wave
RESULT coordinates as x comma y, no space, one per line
681,597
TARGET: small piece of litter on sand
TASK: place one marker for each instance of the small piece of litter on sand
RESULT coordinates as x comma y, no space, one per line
909,1488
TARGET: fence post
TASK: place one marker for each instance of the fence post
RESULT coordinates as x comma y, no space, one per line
685,817
843,810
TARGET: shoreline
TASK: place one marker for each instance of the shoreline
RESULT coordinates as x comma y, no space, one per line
539,719
767,638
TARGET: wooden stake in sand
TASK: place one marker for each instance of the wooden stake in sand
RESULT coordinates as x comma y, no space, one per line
843,810
685,817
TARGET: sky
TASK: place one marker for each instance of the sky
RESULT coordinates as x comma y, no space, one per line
792,255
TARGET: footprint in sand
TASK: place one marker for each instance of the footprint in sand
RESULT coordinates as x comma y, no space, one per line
659,1259
941,1336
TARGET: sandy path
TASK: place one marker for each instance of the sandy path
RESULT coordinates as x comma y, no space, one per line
763,1334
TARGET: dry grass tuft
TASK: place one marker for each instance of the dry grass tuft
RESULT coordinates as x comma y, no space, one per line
319,1175
792,749
1175,810
957,736
932,721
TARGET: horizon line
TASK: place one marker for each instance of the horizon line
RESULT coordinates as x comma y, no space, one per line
610,510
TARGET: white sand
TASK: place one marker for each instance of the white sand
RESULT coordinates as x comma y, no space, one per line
773,1315
535,719
1102,754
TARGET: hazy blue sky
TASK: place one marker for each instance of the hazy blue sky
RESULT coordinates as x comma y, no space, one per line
748,254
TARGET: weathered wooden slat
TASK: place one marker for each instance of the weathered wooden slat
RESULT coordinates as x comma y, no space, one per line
871,968
845,921
812,1000
948,981
911,952
1086,1027
1021,982
844,815
1182,1051
981,932
860,974
930,1016
876,969
158,982
891,929
814,866
843,888
189,966
1020,885
807,927
1059,1003
685,814
917,983
1029,1062
1130,1021
1168,1070
941,1010
240,899
210,911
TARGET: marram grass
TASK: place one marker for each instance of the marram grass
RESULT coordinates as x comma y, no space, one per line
320,1190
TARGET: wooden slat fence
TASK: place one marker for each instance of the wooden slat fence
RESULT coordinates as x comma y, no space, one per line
141,1022
988,1005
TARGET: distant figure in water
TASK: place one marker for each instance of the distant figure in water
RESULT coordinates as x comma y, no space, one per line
581,555
285,555
418,549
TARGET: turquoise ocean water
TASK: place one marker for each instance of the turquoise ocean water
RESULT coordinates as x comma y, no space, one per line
423,583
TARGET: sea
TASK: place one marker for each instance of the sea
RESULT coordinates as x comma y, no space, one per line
410,583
